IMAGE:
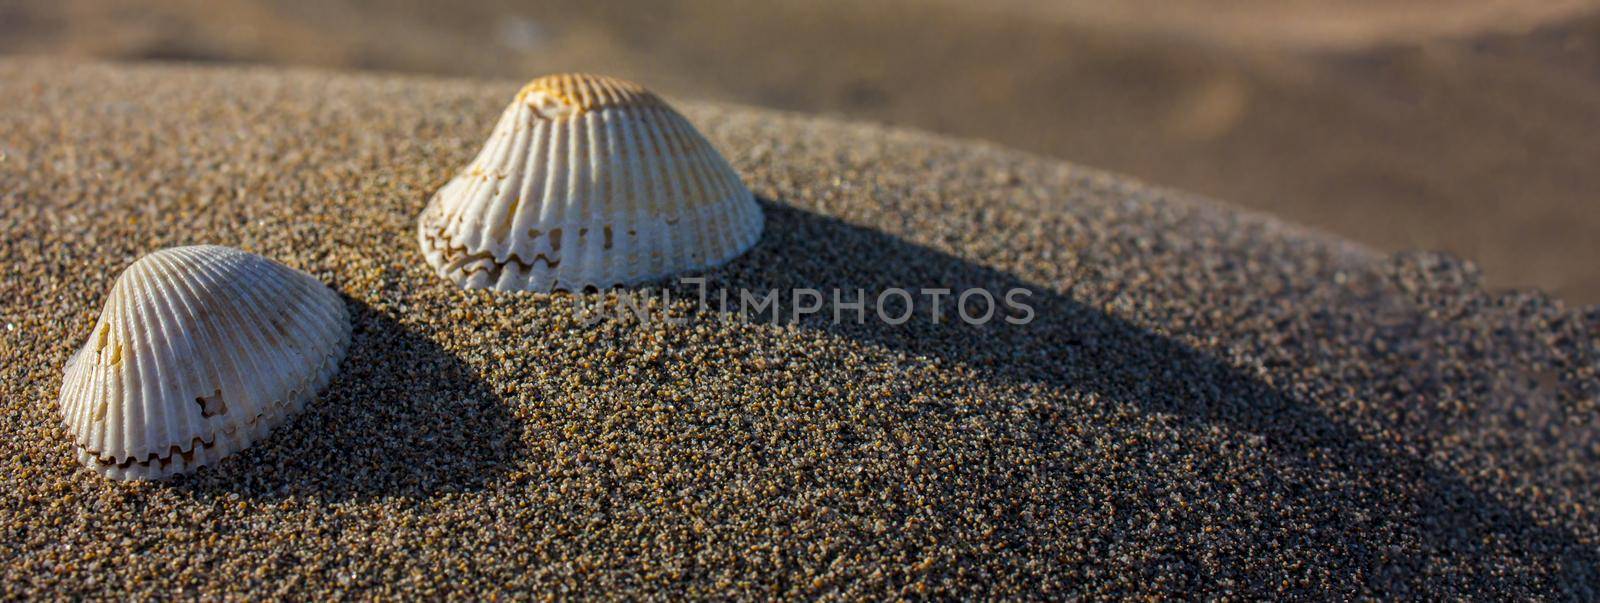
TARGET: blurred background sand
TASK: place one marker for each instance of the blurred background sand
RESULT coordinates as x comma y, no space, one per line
1471,126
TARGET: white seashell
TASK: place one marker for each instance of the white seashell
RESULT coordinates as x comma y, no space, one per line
587,181
200,351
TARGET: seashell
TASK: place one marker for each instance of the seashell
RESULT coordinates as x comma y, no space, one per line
587,182
200,352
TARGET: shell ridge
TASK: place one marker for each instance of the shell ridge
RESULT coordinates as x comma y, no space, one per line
275,309
276,314
587,95
314,311
561,202
211,382
672,195
636,172
294,316
709,223
118,423
487,151
479,184
694,187
111,376
656,168
532,190
174,348
516,182
248,322
549,210
204,283
593,204
502,210
149,373
573,201
688,211
734,193
731,221
472,205
125,370
82,403
171,370
206,269
75,400
207,329
311,314
618,206
243,359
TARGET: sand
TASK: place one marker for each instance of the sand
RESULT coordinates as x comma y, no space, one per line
1206,401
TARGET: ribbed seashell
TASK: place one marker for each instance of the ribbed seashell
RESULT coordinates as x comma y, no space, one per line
199,352
587,182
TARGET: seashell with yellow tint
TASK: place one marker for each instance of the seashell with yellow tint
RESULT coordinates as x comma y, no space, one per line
587,182
199,352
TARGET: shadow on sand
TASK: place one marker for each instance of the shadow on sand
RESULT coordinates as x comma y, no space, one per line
405,418
402,418
1074,347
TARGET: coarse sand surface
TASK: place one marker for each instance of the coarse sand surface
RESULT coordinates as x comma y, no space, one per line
1204,400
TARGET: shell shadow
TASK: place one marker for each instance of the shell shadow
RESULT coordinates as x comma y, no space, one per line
1072,346
402,418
